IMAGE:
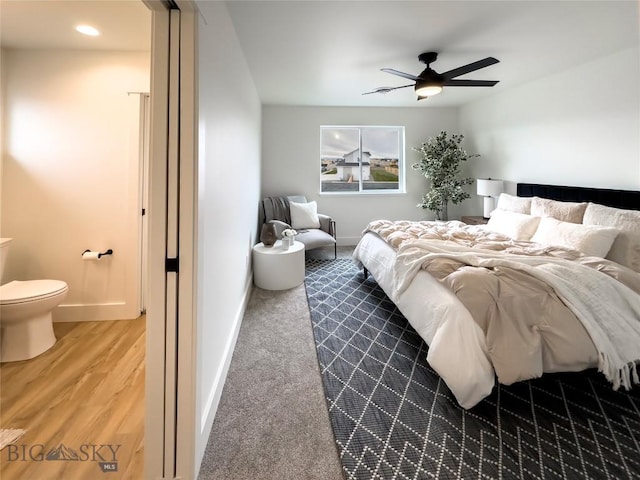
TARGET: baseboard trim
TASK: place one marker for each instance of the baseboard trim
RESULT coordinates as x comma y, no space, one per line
95,312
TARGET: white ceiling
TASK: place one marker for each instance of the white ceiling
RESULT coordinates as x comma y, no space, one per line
50,24
330,52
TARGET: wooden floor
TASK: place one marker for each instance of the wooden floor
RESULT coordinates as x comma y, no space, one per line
87,393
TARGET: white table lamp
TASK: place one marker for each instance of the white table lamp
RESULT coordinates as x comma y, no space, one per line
489,189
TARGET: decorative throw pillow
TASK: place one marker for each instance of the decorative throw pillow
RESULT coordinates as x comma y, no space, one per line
564,211
304,215
592,240
515,225
626,247
514,204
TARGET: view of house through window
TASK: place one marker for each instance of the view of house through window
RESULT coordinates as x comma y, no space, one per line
361,159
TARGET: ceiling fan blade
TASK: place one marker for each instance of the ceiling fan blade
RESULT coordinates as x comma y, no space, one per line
384,90
469,83
471,67
400,74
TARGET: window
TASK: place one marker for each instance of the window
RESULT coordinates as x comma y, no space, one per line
361,159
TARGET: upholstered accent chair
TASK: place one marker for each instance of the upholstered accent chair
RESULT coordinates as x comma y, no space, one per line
314,229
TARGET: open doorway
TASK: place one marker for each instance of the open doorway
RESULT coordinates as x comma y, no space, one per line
70,166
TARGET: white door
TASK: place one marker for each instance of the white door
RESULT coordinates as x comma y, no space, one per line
170,361
155,448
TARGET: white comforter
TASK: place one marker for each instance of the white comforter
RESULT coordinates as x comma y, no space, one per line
458,350
608,309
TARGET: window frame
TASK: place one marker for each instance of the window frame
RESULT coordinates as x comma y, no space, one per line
401,190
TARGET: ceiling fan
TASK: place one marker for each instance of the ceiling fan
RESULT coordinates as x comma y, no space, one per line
430,82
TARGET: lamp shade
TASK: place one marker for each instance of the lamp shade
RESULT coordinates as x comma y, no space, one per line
488,187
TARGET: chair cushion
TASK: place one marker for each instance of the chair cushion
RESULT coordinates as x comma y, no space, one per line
325,223
315,238
304,215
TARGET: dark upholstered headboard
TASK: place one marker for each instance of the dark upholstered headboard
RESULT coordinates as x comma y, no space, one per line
627,199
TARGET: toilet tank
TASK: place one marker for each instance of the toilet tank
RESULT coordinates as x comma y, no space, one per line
4,250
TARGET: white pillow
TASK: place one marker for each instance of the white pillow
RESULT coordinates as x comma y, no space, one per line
514,204
565,211
515,225
592,240
626,247
304,215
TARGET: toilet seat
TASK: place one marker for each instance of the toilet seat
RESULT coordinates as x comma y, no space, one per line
17,291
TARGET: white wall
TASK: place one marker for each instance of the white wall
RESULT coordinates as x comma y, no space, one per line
577,127
228,195
70,174
291,161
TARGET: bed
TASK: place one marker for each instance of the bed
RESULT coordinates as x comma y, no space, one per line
552,298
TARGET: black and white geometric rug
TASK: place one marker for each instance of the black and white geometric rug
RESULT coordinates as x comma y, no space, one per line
394,418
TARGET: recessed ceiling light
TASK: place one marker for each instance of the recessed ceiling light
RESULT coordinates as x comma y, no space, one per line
88,30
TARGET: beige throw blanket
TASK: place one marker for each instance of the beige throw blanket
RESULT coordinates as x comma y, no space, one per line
493,275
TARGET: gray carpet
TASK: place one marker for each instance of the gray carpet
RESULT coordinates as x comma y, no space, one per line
272,421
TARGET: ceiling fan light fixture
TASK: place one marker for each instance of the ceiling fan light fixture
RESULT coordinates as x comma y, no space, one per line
428,90
430,82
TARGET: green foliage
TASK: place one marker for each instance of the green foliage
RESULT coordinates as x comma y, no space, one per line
440,163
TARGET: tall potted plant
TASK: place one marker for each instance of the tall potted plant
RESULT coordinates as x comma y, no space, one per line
440,163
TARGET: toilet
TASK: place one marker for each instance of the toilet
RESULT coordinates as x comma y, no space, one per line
26,325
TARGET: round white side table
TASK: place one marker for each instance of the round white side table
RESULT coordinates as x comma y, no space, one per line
277,269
